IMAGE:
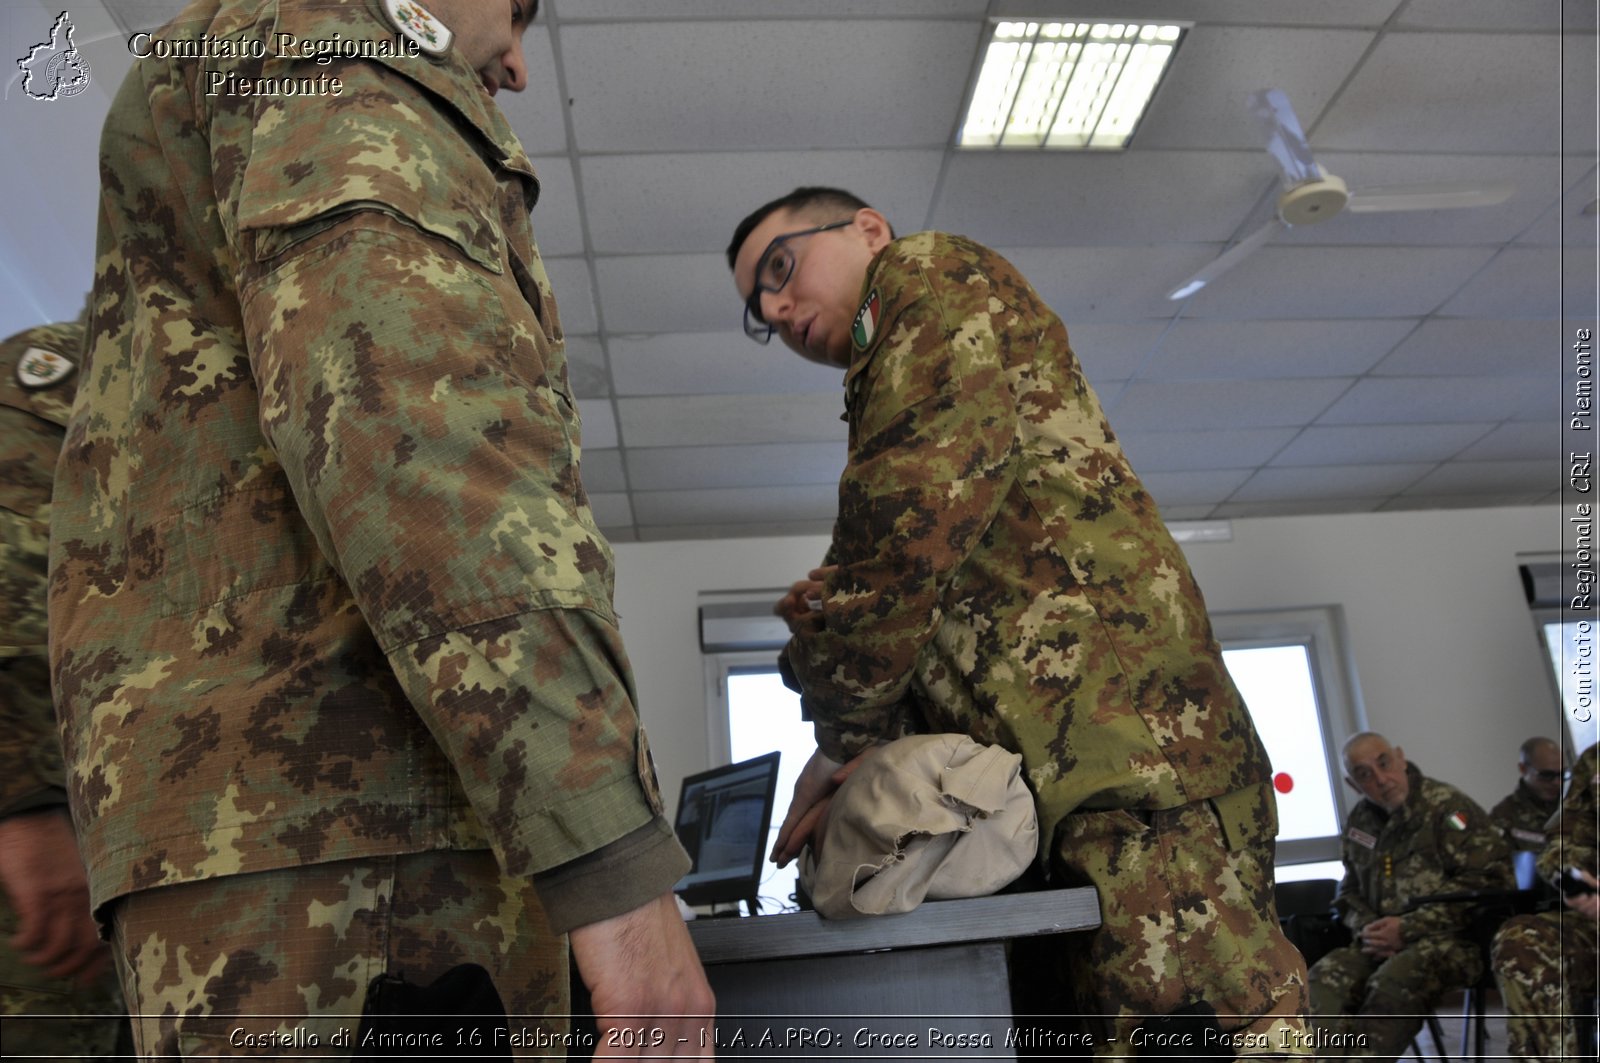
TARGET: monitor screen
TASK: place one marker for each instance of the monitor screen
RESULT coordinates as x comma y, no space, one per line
722,821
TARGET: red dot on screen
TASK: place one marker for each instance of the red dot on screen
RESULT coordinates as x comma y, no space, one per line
1282,782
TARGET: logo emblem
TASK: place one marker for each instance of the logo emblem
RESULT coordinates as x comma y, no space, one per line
866,323
39,368
1457,820
419,25
55,69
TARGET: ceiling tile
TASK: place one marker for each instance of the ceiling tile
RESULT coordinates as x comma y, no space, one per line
1113,352
611,510
1207,487
1463,92
734,529
1227,448
1528,282
1469,501
557,228
1487,477
695,420
1379,444
1395,400
599,423
1204,100
602,470
889,84
1565,222
1223,404
749,465
1297,507
648,10
714,363
1498,15
1257,350
1281,12
1330,481
800,502
712,192
1108,284
668,293
1286,281
586,367
1517,441
536,113
1040,198
1470,347
569,278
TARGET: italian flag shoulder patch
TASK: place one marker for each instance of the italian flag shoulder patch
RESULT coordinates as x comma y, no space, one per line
866,323
1457,820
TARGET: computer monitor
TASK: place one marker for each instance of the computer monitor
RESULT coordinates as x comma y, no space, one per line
722,821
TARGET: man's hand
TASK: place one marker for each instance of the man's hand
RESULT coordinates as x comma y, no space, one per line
808,808
644,975
1381,939
801,608
1585,903
43,877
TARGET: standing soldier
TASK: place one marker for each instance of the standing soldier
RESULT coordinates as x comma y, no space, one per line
1544,962
52,961
343,697
1409,839
997,570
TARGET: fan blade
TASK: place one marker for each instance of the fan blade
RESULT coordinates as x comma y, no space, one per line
1286,141
1447,196
1227,260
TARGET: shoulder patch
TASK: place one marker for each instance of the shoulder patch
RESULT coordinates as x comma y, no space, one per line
39,368
1457,820
419,25
866,323
1361,838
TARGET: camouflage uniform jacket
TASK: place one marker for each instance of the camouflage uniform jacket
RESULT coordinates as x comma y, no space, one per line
1575,828
1439,841
1002,569
31,420
324,581
1520,817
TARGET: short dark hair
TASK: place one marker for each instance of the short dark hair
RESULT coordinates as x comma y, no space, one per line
800,199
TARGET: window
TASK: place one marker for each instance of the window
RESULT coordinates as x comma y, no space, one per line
1289,664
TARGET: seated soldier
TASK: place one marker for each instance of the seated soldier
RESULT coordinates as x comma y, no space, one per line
1542,962
1520,816
1411,838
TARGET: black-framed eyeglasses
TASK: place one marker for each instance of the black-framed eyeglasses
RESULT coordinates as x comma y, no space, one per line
773,270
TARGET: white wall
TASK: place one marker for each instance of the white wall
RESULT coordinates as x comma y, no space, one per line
1445,654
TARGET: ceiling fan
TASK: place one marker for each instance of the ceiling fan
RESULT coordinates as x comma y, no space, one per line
1311,195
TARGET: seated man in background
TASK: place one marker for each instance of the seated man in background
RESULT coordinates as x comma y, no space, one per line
53,964
1521,815
1410,838
1542,962
998,571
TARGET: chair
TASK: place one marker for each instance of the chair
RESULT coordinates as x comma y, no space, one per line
1305,910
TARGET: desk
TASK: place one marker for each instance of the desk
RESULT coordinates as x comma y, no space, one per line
929,984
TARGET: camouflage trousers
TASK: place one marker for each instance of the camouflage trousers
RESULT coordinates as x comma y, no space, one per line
1364,1007
278,963
54,1018
1541,963
1187,922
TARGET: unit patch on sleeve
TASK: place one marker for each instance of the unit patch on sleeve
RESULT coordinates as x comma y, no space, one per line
866,321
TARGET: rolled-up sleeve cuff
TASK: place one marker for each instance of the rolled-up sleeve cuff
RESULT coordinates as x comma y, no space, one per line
616,878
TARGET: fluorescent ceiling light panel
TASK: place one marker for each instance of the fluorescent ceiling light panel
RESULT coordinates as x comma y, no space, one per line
1070,86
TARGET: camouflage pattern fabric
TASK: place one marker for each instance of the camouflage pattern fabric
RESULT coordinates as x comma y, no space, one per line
1182,899
1439,841
83,1022
1004,575
1520,817
325,584
240,966
1544,962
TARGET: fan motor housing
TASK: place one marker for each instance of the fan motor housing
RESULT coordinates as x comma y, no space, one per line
1313,201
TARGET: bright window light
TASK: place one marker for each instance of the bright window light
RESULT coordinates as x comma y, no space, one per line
1066,85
